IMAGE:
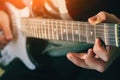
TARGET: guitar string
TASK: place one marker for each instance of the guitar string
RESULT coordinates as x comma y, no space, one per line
51,22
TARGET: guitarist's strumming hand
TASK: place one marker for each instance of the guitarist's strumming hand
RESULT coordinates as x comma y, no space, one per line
5,31
99,57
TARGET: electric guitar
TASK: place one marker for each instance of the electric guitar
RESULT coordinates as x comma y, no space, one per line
53,29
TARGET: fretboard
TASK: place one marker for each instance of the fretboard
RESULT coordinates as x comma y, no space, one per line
67,30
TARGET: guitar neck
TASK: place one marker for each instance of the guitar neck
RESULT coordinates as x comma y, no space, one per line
67,30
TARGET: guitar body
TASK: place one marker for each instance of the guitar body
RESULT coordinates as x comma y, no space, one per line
17,48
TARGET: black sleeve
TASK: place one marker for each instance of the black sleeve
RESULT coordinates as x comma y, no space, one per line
83,9
112,6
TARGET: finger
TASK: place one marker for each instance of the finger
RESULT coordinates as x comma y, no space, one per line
92,20
3,40
5,27
103,17
76,59
94,63
100,17
111,18
101,51
7,32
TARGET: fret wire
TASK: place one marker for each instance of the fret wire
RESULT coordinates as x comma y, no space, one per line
116,35
61,30
30,29
56,30
95,31
34,32
41,28
52,30
44,27
86,33
105,36
79,31
72,31
66,30
34,28
48,29
37,29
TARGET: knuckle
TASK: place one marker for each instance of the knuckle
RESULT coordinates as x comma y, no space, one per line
103,15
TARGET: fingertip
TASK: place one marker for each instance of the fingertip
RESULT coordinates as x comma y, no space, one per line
90,53
69,55
98,42
91,20
9,37
101,69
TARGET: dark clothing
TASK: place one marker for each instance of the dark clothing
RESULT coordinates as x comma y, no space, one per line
52,64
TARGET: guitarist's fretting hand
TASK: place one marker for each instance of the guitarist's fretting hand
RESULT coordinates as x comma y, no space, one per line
100,57
5,31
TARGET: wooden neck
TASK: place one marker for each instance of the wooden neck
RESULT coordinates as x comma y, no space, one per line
70,30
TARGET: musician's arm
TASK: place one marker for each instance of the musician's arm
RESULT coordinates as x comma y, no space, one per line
5,31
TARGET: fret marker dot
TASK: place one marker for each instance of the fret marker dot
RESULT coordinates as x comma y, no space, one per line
91,33
76,31
64,30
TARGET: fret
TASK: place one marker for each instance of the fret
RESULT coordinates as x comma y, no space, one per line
66,25
90,33
42,30
110,34
72,31
61,28
75,31
59,31
118,34
100,33
69,31
50,29
45,29
45,32
54,29
40,23
33,32
43,26
86,33
82,31
105,35
79,32
95,31
38,29
57,24
48,24
64,30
